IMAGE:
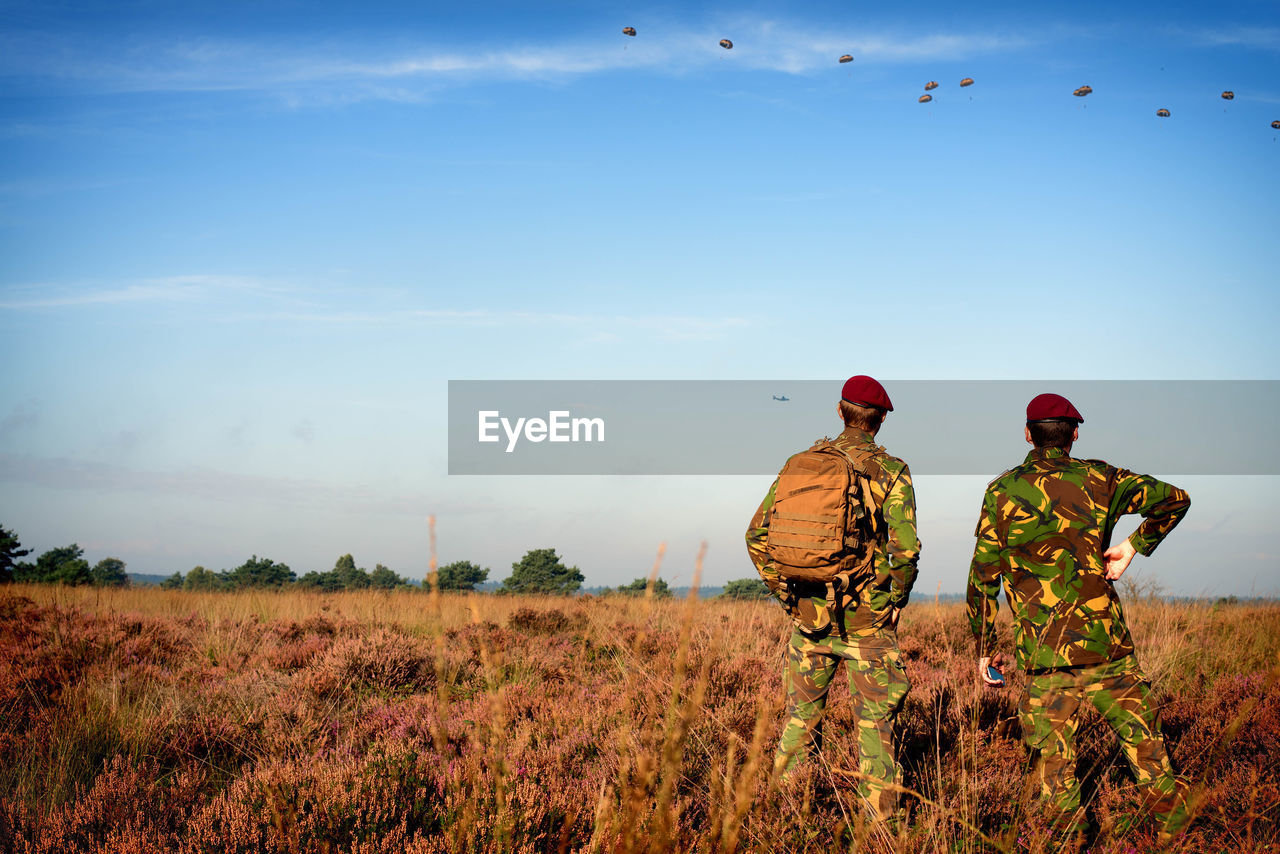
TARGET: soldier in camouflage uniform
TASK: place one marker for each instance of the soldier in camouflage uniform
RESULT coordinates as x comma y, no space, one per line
863,632
1045,531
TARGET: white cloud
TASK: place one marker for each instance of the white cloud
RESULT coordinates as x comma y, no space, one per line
165,289
1261,38
200,289
348,70
129,293
676,327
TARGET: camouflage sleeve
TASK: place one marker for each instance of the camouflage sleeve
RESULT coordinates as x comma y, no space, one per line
757,545
1161,505
983,594
899,512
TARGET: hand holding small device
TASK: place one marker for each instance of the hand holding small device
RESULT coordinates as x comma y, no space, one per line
992,670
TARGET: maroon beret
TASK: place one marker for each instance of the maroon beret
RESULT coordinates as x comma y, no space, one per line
1052,407
865,391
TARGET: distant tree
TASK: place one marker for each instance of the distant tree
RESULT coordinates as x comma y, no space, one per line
109,572
313,580
74,573
745,588
347,576
640,585
10,549
200,578
173,582
260,572
384,579
63,565
540,571
461,575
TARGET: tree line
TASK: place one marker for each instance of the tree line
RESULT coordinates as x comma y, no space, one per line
540,571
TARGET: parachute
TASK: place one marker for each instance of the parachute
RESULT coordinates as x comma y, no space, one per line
924,99
1162,113
846,58
968,81
726,44
628,31
932,84
1082,91
1228,95
1276,125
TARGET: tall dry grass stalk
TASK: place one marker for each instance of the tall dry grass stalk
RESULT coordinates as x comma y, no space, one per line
440,728
681,711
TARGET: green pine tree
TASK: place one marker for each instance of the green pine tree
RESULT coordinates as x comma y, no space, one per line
461,575
10,549
540,571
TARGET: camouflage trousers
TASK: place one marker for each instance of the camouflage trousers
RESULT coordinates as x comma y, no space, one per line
878,683
1119,690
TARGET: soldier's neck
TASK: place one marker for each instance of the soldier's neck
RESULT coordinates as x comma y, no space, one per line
859,433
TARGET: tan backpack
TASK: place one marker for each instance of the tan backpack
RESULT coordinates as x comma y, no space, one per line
822,526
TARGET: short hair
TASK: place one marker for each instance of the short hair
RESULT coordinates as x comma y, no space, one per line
869,418
1052,434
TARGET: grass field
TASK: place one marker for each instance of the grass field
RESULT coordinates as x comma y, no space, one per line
146,720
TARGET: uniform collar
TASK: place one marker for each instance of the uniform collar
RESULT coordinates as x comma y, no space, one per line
857,436
1046,454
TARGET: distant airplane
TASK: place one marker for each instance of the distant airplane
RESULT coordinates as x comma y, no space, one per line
782,398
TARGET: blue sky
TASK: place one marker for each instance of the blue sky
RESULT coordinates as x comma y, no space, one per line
243,248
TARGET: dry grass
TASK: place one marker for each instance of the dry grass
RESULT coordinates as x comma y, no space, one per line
148,720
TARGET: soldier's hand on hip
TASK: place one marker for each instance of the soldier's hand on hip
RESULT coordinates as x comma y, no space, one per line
1118,558
894,617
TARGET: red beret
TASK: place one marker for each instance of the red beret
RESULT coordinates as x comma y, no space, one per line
865,391
1052,407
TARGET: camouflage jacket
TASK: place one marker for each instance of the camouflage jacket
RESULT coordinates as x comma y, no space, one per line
1043,529
867,609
